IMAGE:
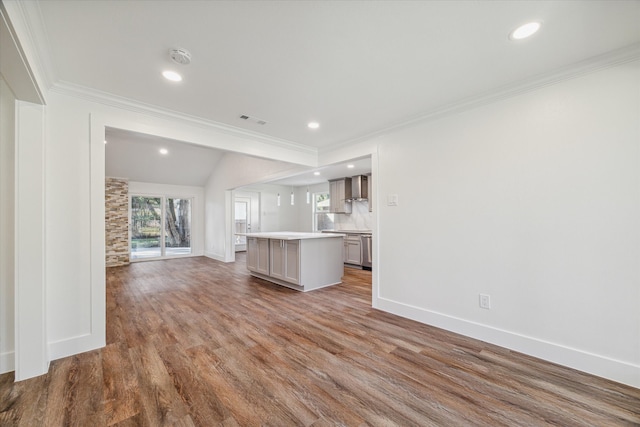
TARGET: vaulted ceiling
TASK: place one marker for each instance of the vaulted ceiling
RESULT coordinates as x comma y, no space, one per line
137,157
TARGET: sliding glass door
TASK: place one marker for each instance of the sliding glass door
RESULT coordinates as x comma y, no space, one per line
160,227
146,225
177,236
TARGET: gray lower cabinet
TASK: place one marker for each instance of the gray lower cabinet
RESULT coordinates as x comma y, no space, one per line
352,251
258,255
285,260
309,262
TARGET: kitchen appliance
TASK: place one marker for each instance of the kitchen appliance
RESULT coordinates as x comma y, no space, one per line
359,187
365,246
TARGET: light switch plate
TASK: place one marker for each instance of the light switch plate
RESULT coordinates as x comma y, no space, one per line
392,200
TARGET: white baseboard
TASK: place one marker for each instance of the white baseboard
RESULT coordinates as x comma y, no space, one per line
75,345
211,255
194,255
615,370
7,362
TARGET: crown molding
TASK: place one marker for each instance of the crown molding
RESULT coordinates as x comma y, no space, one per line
608,60
38,35
28,25
123,103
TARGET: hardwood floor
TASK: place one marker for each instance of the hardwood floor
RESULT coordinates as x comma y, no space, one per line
197,342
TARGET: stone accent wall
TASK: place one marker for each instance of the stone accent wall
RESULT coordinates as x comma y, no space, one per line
117,221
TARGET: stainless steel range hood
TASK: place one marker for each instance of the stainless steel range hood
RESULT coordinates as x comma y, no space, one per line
359,187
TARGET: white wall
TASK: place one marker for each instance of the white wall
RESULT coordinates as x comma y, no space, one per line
68,232
299,217
23,210
235,171
534,200
31,342
272,216
7,223
197,209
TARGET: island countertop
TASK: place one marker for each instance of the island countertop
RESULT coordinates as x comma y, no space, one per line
290,235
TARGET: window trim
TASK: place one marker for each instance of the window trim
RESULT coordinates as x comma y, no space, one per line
314,211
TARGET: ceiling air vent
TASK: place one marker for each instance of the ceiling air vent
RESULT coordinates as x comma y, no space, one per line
253,119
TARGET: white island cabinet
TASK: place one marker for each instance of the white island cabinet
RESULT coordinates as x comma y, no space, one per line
301,261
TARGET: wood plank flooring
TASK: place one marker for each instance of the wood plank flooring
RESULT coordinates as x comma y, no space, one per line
198,342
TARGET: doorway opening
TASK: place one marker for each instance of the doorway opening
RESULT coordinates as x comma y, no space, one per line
246,217
242,222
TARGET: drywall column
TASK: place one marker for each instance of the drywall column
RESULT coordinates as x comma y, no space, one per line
31,358
7,227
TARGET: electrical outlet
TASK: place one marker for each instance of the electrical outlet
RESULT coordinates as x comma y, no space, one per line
485,301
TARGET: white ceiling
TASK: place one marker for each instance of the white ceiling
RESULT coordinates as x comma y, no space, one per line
137,156
356,67
339,170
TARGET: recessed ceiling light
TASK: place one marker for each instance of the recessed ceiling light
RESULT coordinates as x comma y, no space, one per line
351,166
164,151
316,173
172,75
313,125
105,141
524,31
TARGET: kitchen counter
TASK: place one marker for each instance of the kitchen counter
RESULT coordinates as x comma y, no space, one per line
301,261
348,231
290,235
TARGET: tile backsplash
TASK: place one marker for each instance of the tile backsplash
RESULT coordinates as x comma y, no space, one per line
359,219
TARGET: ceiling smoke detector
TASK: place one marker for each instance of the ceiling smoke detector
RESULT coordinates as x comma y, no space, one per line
180,56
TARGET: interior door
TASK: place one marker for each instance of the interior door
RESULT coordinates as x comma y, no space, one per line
242,218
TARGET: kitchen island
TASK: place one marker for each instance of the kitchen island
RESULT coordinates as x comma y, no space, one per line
301,261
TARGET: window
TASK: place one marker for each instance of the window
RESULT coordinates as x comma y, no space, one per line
160,226
322,219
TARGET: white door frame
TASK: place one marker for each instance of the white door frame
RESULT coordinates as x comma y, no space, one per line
238,247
